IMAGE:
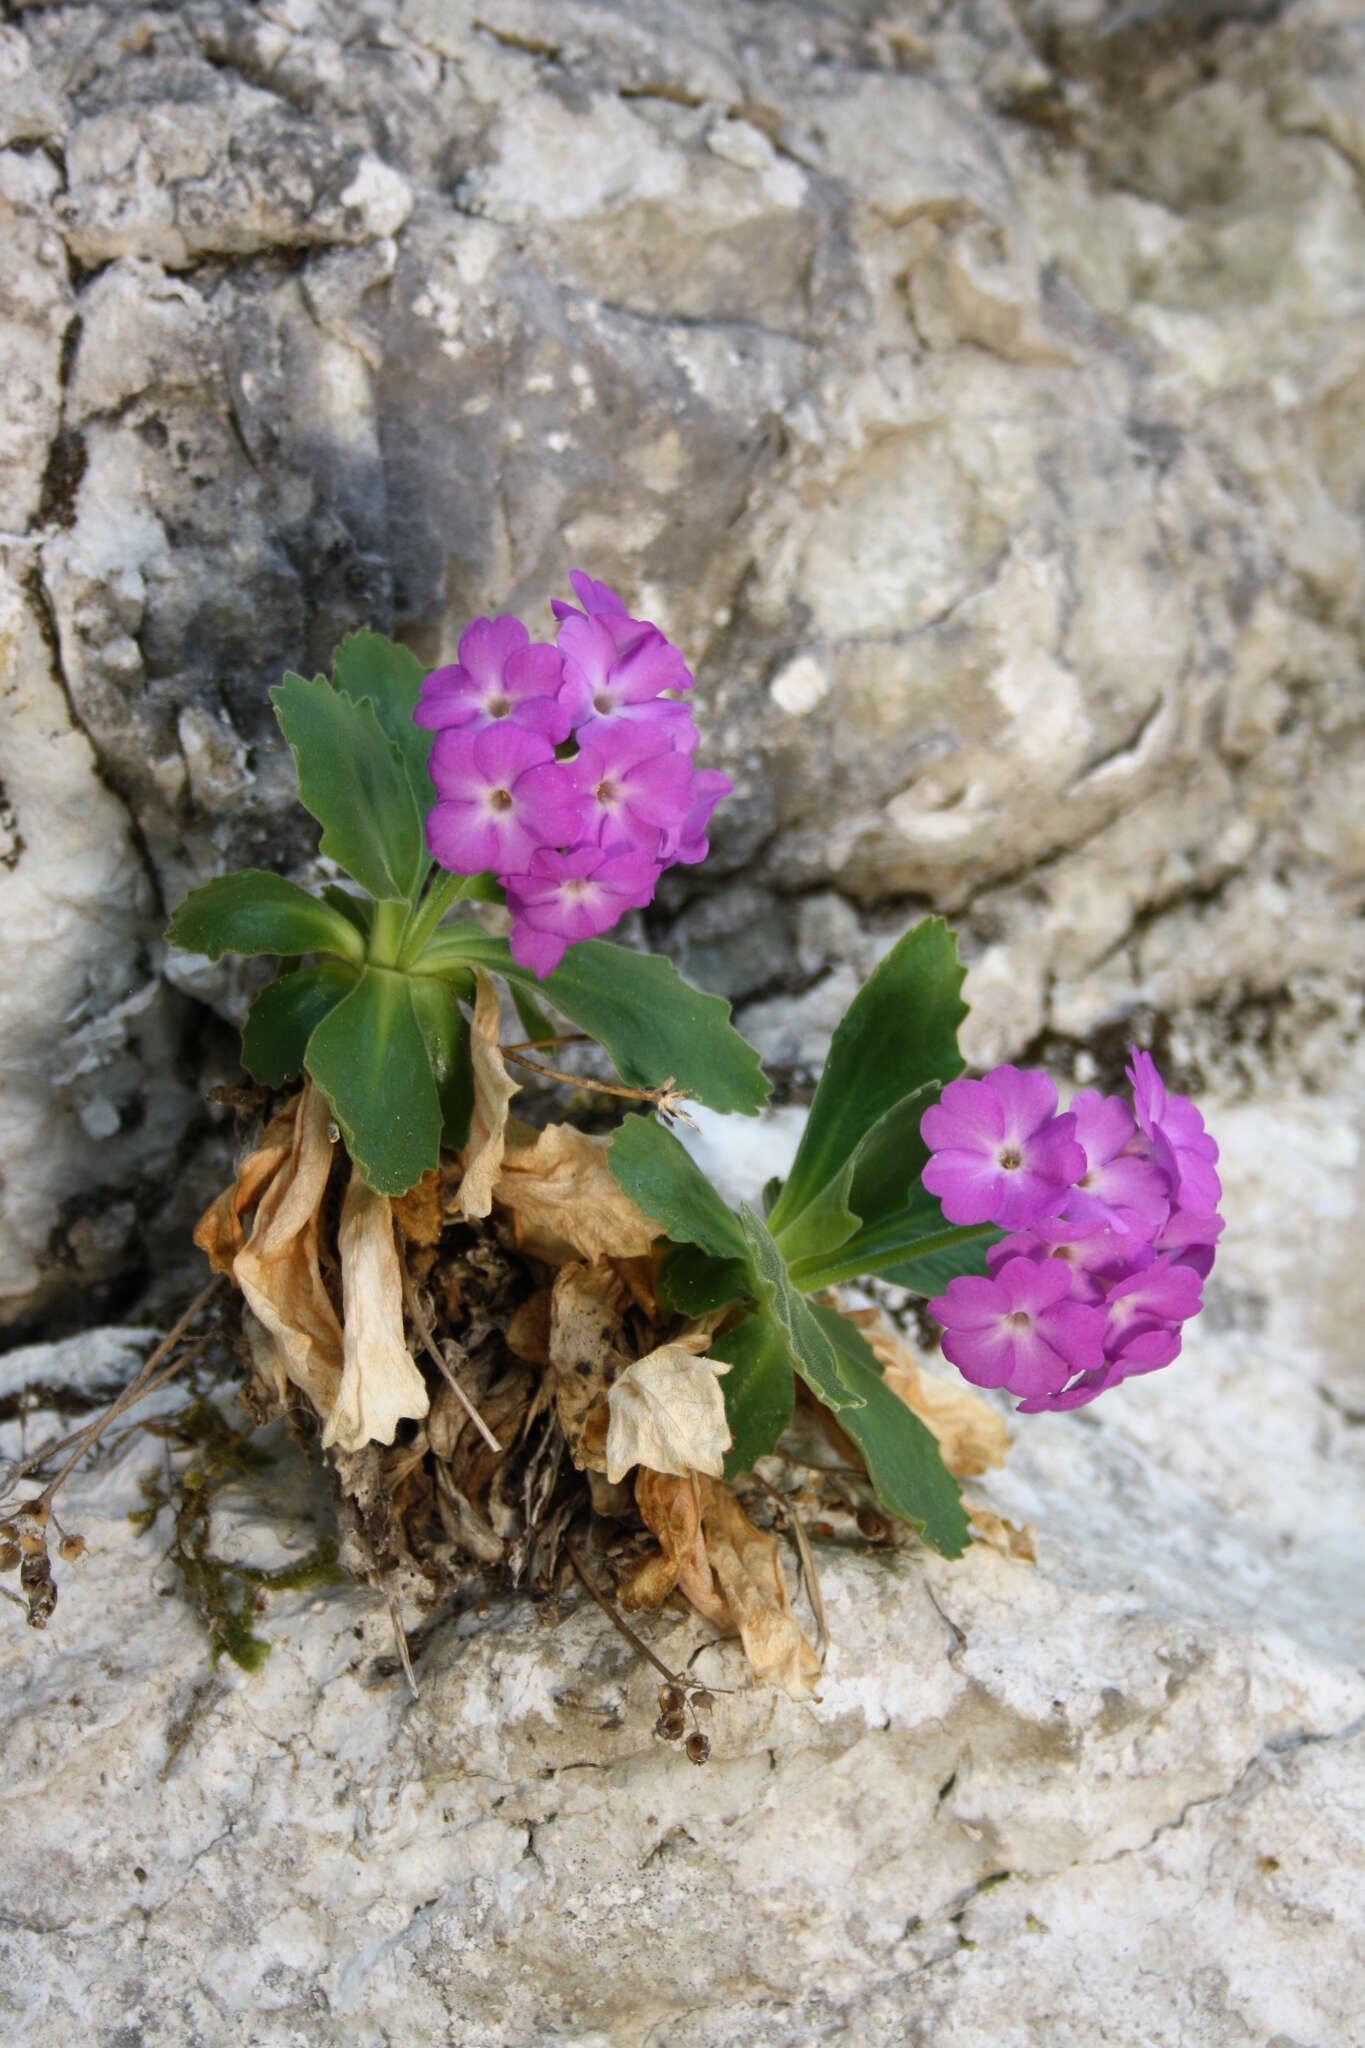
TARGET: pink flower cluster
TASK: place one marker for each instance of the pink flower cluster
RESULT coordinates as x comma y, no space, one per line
566,770
1112,1214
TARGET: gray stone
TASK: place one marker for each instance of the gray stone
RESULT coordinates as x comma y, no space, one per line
976,393
1113,1795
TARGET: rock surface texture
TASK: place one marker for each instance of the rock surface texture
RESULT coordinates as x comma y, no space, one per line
976,391
1116,1796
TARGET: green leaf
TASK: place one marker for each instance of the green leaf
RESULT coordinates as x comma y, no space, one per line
532,1018
357,910
652,1023
759,1391
368,665
917,1238
899,1223
255,912
928,1271
285,1015
691,1281
902,1455
370,1060
659,1174
391,676
807,1345
445,1032
352,778
899,1032
886,1168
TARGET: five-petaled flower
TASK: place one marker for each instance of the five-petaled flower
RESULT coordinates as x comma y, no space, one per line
566,770
1115,1210
1001,1153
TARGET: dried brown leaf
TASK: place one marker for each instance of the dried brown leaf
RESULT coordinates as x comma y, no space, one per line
419,1213
1011,1539
747,1564
220,1231
971,1434
278,1271
493,1090
528,1331
672,1509
639,1278
666,1411
586,1307
380,1385
566,1202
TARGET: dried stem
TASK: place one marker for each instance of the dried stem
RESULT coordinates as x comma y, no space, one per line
146,1380
401,1645
614,1618
807,1557
432,1350
535,1044
665,1098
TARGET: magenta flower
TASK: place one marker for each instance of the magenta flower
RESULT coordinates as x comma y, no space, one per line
1000,1153
1118,1189
1175,1134
1019,1330
570,896
1190,1240
1093,1255
503,795
634,786
574,838
1128,1242
617,668
688,842
1083,1388
592,596
500,674
1143,1314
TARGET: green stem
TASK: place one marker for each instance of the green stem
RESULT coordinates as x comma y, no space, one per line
386,933
447,949
423,921
810,1274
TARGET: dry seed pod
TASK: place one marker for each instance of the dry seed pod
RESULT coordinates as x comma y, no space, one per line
72,1547
35,1577
874,1525
702,1701
9,1556
698,1747
670,1726
672,1699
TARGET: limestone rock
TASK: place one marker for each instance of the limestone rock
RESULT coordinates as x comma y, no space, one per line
975,392
1116,1793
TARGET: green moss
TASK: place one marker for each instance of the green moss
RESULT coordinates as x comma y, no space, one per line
226,1596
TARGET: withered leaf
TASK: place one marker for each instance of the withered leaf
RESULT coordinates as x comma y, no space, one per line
666,1411
278,1270
419,1213
971,1434
672,1509
220,1231
566,1202
586,1307
1011,1539
748,1569
380,1385
493,1090
528,1330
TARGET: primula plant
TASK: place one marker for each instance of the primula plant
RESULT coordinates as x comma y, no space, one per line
514,1340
